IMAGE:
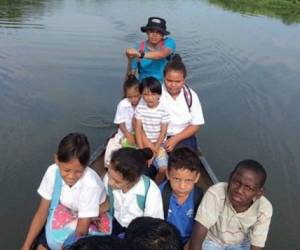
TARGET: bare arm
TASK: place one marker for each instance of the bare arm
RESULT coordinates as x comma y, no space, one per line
154,55
162,135
104,206
82,226
126,133
139,133
198,235
38,221
129,69
175,139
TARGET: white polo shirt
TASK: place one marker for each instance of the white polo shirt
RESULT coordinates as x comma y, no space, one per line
180,116
124,114
84,197
126,207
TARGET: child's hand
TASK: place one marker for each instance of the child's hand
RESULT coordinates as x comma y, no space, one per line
170,143
131,139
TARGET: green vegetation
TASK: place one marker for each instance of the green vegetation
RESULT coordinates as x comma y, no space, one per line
286,10
18,9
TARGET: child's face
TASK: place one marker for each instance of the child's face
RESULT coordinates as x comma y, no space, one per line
243,187
154,37
133,95
151,99
174,81
116,180
70,171
182,181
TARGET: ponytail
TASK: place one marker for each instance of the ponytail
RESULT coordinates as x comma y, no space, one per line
130,81
175,64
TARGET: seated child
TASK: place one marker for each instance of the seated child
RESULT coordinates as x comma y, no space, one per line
150,57
146,233
124,118
79,196
234,216
131,194
181,196
152,123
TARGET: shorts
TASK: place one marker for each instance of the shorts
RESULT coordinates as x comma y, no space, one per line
211,245
161,160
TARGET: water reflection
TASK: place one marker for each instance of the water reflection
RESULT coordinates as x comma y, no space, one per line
287,11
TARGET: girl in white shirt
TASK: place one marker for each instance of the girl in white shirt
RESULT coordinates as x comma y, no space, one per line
82,190
124,118
131,194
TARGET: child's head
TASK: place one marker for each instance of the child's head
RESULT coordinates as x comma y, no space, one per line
107,242
183,170
72,156
131,90
246,183
156,30
149,233
126,167
174,75
150,88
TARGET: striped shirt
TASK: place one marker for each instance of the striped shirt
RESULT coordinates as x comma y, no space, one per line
226,226
151,119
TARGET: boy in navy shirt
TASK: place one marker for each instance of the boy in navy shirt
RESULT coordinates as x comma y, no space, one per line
181,197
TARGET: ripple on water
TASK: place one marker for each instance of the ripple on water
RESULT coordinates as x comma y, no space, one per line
214,61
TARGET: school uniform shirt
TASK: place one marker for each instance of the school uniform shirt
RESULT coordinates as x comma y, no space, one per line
226,226
126,207
180,116
83,198
124,114
181,215
151,119
151,67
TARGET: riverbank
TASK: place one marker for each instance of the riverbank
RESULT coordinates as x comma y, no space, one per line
288,11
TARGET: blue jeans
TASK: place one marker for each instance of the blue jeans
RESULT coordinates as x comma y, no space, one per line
211,245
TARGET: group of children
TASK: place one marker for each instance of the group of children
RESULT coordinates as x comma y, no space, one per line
157,120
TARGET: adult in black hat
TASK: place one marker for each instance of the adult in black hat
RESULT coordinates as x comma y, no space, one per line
149,57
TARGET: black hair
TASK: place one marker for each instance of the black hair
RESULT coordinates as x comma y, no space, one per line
149,233
130,162
175,64
130,82
107,242
254,166
152,84
184,158
74,146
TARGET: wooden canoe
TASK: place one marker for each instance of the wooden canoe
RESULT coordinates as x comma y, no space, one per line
207,179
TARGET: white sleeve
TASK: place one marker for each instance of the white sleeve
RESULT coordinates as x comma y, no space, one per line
196,110
120,113
47,184
154,205
91,196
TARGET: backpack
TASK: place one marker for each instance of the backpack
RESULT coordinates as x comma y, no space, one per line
166,195
187,96
63,232
140,199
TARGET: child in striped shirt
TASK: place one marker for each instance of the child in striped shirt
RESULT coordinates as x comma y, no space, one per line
152,121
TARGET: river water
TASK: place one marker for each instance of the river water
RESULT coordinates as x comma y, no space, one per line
61,70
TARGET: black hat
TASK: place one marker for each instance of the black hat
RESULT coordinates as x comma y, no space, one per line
156,23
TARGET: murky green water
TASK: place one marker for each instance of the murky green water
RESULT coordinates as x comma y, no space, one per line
62,64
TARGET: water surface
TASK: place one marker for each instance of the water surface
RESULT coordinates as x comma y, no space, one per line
62,66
